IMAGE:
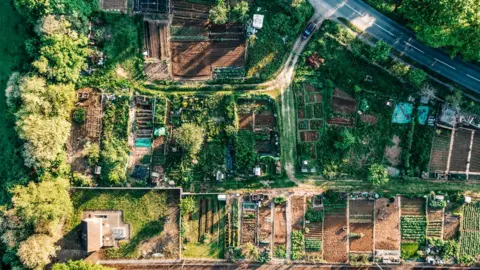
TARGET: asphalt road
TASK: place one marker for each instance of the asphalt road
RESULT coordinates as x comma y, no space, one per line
402,39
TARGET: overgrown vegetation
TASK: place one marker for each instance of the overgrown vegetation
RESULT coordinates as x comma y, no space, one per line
284,20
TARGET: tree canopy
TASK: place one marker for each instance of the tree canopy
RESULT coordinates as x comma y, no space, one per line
190,138
450,24
378,175
37,250
219,13
43,203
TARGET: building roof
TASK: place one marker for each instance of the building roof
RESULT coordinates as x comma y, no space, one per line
92,234
258,21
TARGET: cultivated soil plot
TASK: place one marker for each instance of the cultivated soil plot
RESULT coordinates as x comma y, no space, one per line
361,226
435,222
470,230
460,150
413,220
451,226
475,157
280,226
314,235
206,237
387,224
198,59
309,114
298,212
335,236
89,101
259,116
265,225
440,148
249,223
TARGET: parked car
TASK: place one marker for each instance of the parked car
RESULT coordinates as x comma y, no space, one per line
309,30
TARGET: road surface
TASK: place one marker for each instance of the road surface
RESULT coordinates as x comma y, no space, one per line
403,40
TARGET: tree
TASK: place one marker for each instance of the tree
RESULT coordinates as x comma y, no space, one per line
455,99
12,92
44,139
187,205
190,138
62,52
43,204
239,12
417,76
36,251
219,13
250,251
346,140
450,24
400,69
380,52
33,9
378,175
79,265
79,116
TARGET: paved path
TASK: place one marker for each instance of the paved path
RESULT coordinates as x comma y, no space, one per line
403,40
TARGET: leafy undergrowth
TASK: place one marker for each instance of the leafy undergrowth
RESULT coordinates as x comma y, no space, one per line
283,22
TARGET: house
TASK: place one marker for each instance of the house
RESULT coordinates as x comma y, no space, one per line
103,229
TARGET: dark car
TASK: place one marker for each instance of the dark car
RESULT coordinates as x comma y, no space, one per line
309,30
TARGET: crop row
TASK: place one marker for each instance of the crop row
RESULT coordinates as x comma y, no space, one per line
470,243
471,217
413,228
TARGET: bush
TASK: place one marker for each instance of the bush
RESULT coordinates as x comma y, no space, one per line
280,200
280,252
219,13
187,206
298,245
79,116
378,175
399,69
92,153
417,76
380,52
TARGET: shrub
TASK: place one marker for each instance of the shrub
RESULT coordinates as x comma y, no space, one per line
280,252
79,116
380,52
378,175
219,13
298,245
92,153
417,76
399,69
187,206
280,200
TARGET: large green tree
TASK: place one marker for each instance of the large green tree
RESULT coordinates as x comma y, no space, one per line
451,24
44,204
190,138
37,251
63,51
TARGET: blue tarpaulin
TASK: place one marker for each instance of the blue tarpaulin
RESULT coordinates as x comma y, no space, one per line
143,142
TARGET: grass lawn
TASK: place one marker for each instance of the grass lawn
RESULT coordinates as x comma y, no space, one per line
214,244
13,33
145,210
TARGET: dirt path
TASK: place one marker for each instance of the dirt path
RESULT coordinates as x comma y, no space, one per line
287,100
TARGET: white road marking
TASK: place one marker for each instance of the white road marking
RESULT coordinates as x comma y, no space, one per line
444,63
390,33
410,45
473,77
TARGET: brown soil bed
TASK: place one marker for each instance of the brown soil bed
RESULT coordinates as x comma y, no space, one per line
387,224
413,207
197,59
335,238
298,212
451,227
265,225
280,225
365,243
